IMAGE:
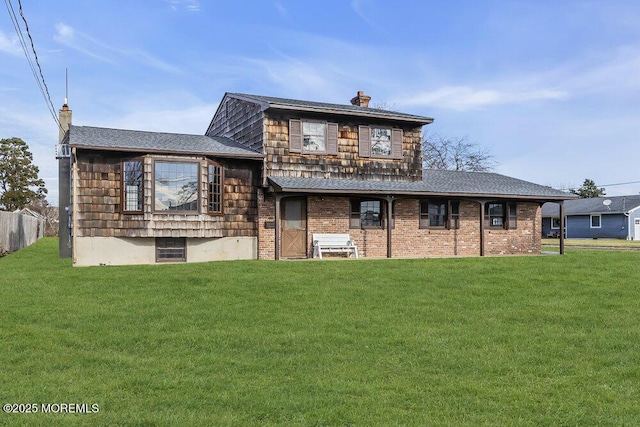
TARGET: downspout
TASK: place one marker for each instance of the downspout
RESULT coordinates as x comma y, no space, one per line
74,202
562,226
482,202
389,224
277,228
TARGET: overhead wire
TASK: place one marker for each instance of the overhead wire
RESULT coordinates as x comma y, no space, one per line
38,75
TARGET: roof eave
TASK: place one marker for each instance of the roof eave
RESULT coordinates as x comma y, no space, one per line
256,156
265,105
419,120
487,196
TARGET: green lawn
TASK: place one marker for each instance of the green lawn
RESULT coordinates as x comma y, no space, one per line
533,340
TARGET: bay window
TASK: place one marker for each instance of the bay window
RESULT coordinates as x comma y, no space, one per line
132,186
176,186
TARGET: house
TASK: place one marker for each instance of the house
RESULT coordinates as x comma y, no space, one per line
270,172
592,218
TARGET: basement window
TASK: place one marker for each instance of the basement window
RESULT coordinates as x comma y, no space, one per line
171,249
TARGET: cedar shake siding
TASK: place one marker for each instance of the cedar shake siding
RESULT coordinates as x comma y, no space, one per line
99,200
239,120
285,158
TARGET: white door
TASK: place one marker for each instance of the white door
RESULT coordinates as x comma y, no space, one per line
637,229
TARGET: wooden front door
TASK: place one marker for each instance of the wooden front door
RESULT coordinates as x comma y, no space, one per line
294,227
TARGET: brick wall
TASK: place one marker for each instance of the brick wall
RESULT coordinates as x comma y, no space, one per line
526,238
330,214
266,224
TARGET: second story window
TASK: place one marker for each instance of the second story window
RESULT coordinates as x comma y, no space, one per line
176,187
313,137
381,142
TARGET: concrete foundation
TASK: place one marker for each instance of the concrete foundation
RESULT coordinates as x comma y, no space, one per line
92,251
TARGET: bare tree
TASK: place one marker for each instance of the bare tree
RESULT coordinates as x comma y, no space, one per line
49,213
453,153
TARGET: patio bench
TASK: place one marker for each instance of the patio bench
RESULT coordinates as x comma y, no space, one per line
333,243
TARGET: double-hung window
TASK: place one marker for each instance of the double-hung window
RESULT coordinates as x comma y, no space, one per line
366,214
132,186
380,142
501,215
439,213
176,186
313,137
596,221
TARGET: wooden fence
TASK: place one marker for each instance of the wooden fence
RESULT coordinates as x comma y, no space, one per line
19,230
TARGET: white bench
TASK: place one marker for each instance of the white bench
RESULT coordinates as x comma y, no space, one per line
333,243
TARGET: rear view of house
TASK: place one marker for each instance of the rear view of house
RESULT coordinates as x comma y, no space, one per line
269,173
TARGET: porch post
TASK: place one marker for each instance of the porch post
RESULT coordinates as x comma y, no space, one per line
389,222
562,227
482,202
277,229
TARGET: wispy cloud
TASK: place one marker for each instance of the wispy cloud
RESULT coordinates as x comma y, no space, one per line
96,49
465,98
189,5
282,11
9,45
361,7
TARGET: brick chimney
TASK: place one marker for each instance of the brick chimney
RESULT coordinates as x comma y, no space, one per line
64,116
361,99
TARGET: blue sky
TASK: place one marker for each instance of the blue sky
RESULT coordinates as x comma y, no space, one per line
551,88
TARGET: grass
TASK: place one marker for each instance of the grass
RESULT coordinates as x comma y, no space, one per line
543,340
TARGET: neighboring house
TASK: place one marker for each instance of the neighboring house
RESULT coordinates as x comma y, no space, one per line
599,217
270,172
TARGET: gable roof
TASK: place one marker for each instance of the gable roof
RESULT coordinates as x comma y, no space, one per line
156,142
434,183
594,205
267,102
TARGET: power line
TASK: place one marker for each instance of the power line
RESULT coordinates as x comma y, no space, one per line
604,185
621,183
38,75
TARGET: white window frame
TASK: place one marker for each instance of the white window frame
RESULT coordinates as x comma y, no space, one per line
324,136
378,129
553,220
591,217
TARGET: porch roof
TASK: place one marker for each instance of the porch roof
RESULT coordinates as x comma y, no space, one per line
97,138
434,183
